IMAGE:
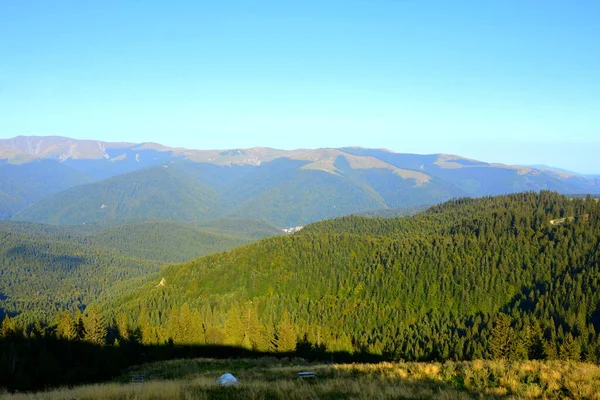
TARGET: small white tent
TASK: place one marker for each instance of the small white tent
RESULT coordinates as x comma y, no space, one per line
227,380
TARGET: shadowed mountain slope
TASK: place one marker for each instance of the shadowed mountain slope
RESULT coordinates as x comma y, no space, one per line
157,192
24,184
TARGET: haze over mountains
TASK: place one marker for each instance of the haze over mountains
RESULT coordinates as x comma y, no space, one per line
60,180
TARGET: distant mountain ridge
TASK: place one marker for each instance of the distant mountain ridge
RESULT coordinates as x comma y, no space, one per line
284,187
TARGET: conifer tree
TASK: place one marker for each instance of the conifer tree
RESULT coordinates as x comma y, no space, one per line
197,329
80,332
173,325
270,336
95,326
286,334
570,349
214,335
254,335
148,336
65,327
234,329
185,325
550,352
8,327
38,331
123,327
502,337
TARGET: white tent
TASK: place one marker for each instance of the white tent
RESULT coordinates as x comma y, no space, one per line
227,380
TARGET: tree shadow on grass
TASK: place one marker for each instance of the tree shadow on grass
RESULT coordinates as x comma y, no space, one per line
43,362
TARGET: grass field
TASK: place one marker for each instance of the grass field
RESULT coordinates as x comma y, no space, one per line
271,378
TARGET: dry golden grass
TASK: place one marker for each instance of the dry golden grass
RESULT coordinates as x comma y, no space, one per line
271,378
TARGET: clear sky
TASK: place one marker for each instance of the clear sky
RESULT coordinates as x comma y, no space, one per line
497,80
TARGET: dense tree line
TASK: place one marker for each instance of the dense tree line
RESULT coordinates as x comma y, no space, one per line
44,267
513,277
85,347
442,284
39,276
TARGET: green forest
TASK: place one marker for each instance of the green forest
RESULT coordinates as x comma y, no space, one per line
46,268
428,287
486,278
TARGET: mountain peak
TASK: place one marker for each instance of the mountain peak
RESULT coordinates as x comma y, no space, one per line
56,147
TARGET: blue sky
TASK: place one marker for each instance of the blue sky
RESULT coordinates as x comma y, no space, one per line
505,81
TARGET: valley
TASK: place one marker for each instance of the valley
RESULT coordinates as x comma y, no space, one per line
46,268
470,279
128,254
292,200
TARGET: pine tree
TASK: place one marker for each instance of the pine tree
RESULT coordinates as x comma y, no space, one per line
570,349
502,336
148,335
123,327
38,331
95,327
536,344
8,327
185,325
234,329
254,335
214,335
550,352
270,336
65,327
80,332
173,325
197,329
286,335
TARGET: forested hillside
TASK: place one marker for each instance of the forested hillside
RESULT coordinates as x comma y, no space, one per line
26,184
45,268
38,276
395,212
239,227
510,277
489,277
284,192
157,192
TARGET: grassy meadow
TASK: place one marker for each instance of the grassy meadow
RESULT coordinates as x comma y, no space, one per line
271,378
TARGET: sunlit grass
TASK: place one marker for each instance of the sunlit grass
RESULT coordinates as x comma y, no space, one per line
271,378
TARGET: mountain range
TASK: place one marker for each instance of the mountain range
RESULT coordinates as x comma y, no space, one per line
60,180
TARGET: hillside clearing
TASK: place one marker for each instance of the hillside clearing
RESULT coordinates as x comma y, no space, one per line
270,378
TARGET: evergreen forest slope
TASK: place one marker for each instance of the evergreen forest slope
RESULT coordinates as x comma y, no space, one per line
38,276
26,184
157,192
283,192
45,268
169,242
471,278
